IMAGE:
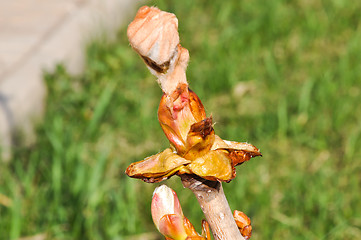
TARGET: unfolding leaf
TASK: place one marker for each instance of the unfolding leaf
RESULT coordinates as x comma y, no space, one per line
149,26
177,113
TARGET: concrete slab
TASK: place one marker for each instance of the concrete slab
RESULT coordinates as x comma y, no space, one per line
36,35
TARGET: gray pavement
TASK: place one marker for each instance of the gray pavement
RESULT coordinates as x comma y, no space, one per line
35,35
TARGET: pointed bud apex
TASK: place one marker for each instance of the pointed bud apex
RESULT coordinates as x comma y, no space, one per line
167,213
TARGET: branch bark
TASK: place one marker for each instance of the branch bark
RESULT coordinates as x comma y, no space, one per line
215,207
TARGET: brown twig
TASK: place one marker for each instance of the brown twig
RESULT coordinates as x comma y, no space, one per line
214,205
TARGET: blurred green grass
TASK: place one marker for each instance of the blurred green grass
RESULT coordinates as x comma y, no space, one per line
282,75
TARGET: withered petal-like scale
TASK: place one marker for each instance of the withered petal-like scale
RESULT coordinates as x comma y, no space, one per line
157,167
200,139
240,156
219,143
238,152
215,165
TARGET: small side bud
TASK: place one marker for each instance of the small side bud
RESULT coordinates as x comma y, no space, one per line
244,224
167,213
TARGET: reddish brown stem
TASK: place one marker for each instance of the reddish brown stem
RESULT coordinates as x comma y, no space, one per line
215,207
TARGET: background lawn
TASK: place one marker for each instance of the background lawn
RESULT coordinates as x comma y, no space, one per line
282,75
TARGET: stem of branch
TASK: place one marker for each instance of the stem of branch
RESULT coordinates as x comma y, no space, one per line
215,207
